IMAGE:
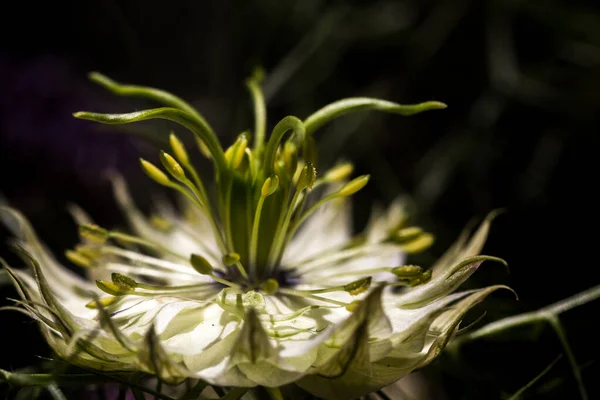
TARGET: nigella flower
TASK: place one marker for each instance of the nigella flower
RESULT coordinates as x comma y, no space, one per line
258,282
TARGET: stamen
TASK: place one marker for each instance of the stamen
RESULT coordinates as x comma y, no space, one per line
234,157
349,189
203,267
172,166
201,199
339,173
268,188
125,281
160,223
407,271
234,259
152,261
125,238
181,154
418,245
154,173
160,177
343,254
306,180
177,172
203,148
290,157
78,259
270,286
299,293
104,302
411,281
354,288
407,234
235,154
93,233
350,273
113,288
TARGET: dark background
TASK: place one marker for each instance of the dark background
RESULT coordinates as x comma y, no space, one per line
521,78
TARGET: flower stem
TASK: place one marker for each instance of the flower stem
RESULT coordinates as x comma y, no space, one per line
274,393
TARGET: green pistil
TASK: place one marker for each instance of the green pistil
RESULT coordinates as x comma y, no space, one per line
257,226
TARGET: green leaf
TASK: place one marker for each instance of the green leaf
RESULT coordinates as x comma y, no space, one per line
353,104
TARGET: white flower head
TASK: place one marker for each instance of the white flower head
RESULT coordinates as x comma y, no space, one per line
258,283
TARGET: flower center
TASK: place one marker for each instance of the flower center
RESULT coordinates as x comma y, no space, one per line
262,194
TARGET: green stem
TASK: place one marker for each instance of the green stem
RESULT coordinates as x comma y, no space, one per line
274,393
23,380
235,394
535,316
558,329
519,392
548,315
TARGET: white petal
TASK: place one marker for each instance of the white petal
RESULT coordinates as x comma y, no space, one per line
328,228
178,240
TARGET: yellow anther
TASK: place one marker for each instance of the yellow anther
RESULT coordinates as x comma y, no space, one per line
160,223
178,149
407,271
354,186
113,288
357,287
407,234
201,264
270,186
123,281
339,173
78,259
271,286
352,306
172,166
104,302
93,233
154,173
231,259
290,157
307,177
235,154
421,243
